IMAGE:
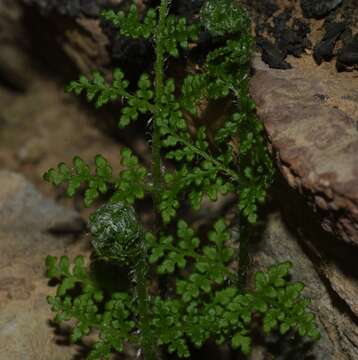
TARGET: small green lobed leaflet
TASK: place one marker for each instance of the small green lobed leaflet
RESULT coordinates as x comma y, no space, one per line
128,186
206,299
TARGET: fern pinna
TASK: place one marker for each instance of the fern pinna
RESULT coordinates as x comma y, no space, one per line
206,296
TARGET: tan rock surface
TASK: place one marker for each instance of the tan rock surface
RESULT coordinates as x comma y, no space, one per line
311,118
25,219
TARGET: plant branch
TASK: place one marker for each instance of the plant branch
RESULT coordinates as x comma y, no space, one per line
140,271
156,138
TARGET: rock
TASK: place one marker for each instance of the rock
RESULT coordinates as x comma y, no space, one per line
13,61
186,8
272,55
291,39
25,218
22,207
315,141
324,49
14,56
31,152
318,8
280,34
293,31
90,8
283,240
348,55
73,34
267,7
64,7
86,45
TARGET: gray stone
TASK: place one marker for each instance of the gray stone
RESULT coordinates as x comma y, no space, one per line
318,8
22,208
25,218
13,65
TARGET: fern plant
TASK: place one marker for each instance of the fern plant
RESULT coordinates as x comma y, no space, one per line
205,295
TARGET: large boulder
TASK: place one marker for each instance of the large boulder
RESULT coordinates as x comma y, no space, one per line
310,115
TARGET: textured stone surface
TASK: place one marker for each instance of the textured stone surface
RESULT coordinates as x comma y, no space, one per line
286,27
310,115
26,219
73,7
339,335
318,8
311,118
23,208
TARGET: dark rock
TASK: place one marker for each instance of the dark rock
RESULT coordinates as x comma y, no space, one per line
63,7
14,71
71,8
186,8
131,55
290,35
293,42
334,29
348,55
272,55
346,36
206,43
318,8
90,8
264,7
291,39
324,49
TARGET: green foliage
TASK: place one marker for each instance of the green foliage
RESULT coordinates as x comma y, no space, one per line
204,299
177,32
130,25
80,173
88,308
139,103
128,186
98,89
201,309
131,183
222,17
208,308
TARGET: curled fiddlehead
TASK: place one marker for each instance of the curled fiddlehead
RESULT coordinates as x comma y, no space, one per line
116,233
117,236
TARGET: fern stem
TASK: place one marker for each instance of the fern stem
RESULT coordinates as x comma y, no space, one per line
244,258
159,88
224,169
140,273
149,352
